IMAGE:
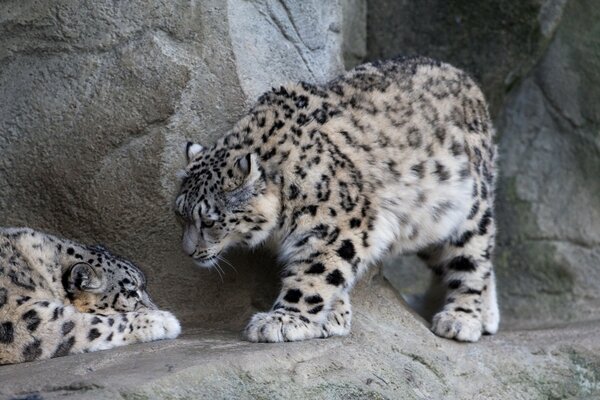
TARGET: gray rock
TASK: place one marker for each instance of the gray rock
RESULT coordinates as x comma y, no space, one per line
276,42
389,355
497,42
549,211
354,32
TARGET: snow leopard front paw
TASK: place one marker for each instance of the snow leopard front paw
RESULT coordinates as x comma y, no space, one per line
278,326
156,325
457,325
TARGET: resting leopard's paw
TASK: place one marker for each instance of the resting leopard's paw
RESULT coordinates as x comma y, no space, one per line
156,325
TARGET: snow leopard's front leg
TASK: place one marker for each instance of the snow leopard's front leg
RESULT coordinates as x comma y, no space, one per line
314,300
47,329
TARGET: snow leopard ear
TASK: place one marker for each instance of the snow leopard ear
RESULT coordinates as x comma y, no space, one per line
82,276
249,167
192,150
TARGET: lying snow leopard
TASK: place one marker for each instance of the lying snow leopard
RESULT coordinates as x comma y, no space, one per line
394,156
58,297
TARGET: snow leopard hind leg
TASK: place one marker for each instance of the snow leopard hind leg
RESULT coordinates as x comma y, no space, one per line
464,265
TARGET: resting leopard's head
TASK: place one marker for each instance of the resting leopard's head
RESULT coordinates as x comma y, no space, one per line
224,200
106,284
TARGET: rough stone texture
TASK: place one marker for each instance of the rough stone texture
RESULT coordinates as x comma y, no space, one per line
550,159
280,41
495,41
538,62
390,355
354,14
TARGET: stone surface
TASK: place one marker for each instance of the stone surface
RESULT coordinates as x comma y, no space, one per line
354,14
550,186
497,42
284,41
389,355
538,62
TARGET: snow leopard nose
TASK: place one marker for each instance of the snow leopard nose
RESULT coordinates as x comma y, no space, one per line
190,239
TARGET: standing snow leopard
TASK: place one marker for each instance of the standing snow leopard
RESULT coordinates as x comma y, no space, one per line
391,157
58,297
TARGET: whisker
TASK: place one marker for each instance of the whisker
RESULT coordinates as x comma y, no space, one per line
226,261
220,268
219,272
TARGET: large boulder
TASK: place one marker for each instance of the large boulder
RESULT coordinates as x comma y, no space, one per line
549,208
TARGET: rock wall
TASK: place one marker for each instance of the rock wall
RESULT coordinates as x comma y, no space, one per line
539,64
549,211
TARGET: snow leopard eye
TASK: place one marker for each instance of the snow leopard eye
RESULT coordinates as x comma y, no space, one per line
207,222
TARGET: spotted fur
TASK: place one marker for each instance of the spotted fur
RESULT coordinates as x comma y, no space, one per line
391,157
58,297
